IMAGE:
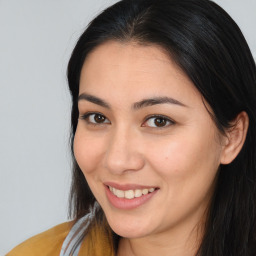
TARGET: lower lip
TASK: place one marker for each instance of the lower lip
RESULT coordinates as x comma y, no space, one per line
128,204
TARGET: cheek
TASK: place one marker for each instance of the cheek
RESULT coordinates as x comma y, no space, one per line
187,167
185,156
171,159
88,151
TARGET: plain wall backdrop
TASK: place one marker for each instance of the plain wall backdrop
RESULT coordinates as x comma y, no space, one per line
36,40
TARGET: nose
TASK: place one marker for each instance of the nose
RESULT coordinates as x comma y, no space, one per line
123,152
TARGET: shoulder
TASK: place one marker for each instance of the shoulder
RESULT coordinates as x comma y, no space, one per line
46,243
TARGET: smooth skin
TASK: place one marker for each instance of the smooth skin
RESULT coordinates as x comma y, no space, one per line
173,145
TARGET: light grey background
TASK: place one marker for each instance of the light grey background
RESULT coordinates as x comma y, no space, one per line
36,39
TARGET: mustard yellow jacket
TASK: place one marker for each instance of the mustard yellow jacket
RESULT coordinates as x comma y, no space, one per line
96,243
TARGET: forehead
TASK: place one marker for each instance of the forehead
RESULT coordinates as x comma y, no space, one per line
136,70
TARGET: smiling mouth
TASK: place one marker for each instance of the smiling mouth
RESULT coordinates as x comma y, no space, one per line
130,194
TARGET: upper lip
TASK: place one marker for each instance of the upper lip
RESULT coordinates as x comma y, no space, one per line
127,186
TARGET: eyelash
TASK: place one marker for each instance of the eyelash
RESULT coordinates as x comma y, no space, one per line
166,119
87,116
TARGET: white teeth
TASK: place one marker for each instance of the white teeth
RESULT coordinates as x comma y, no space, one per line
130,194
138,193
119,193
145,191
151,190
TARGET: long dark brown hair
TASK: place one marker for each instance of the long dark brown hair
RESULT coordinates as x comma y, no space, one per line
209,47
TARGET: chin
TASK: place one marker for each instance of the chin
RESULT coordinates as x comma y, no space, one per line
131,228
129,233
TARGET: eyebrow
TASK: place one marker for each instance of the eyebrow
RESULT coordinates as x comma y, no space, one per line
156,101
137,105
93,99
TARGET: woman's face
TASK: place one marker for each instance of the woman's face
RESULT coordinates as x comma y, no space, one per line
145,141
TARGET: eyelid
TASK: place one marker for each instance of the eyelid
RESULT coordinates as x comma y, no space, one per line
86,115
172,122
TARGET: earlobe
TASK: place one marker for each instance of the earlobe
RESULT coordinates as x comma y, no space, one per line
235,138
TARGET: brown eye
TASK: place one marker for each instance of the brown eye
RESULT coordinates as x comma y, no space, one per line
98,118
158,122
95,118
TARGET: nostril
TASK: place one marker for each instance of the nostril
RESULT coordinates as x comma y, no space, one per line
119,162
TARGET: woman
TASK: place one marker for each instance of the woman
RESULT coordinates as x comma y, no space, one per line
163,135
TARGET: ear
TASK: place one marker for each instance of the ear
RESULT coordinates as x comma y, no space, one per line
235,138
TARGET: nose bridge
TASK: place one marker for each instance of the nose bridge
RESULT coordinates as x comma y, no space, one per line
122,153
